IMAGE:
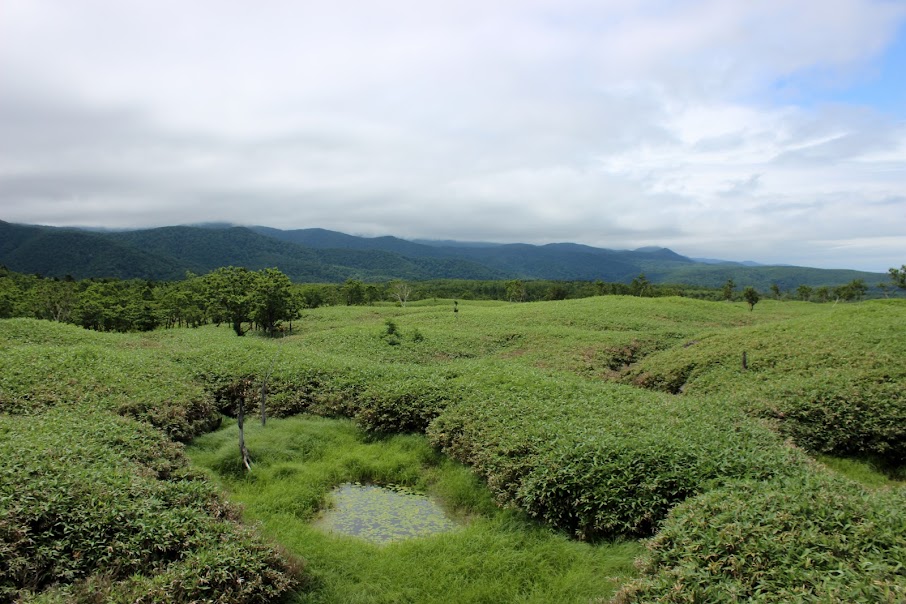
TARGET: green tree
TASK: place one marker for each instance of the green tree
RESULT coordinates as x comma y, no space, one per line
898,276
354,292
822,293
515,290
640,286
231,293
372,294
854,290
556,292
11,294
272,300
775,291
750,295
729,286
804,292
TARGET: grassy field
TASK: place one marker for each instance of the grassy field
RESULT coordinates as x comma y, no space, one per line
559,429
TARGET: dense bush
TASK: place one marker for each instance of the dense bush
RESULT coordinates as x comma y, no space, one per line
46,364
835,381
603,460
89,498
512,389
808,537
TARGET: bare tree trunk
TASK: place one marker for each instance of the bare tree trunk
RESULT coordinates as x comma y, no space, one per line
243,451
264,400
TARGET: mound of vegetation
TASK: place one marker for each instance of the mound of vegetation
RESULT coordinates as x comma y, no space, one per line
835,381
806,537
46,364
601,460
95,507
514,390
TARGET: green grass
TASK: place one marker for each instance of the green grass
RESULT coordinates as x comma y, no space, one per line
867,472
525,395
495,555
833,381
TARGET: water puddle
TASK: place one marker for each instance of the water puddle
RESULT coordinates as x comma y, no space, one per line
383,514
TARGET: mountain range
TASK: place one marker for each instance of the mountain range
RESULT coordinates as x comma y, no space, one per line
321,256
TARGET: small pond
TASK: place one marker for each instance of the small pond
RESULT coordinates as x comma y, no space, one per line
383,514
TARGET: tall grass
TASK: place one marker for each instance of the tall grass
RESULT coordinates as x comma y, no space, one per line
496,555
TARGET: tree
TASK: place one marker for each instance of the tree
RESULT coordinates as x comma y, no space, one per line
372,294
822,293
750,295
640,286
804,292
54,300
272,299
775,291
230,291
854,290
898,276
515,290
729,286
354,292
401,291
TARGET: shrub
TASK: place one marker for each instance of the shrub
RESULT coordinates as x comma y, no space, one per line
90,497
599,461
835,381
808,537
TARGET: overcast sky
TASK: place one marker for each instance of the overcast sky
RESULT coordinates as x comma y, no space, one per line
769,130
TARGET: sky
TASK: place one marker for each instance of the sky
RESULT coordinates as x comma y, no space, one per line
772,131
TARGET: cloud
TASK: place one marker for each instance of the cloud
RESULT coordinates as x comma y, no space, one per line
610,123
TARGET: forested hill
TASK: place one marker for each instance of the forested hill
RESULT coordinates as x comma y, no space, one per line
318,255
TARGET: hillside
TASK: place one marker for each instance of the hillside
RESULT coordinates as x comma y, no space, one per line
524,394
319,255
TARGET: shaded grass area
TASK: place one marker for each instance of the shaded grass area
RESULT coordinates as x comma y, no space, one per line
494,556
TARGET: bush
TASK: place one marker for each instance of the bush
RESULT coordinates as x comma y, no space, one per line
835,382
605,460
808,537
91,498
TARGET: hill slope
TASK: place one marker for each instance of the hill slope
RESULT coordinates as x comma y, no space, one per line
319,255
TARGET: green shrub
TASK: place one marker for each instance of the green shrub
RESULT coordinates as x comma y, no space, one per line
808,537
835,381
87,495
603,460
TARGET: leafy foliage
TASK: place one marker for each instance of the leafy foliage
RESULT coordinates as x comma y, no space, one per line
524,394
808,537
86,495
832,380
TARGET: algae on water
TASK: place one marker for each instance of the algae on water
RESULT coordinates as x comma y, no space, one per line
383,514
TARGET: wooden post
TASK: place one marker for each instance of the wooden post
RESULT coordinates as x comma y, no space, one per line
745,362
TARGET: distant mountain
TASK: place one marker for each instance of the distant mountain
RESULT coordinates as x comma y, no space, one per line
57,252
319,255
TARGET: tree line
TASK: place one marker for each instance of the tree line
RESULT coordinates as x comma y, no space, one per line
266,300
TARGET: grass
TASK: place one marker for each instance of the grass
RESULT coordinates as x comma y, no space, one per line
525,394
496,555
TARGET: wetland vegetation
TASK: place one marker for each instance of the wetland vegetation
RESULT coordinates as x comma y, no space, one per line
565,438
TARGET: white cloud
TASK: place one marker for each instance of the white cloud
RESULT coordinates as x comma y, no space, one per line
611,123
